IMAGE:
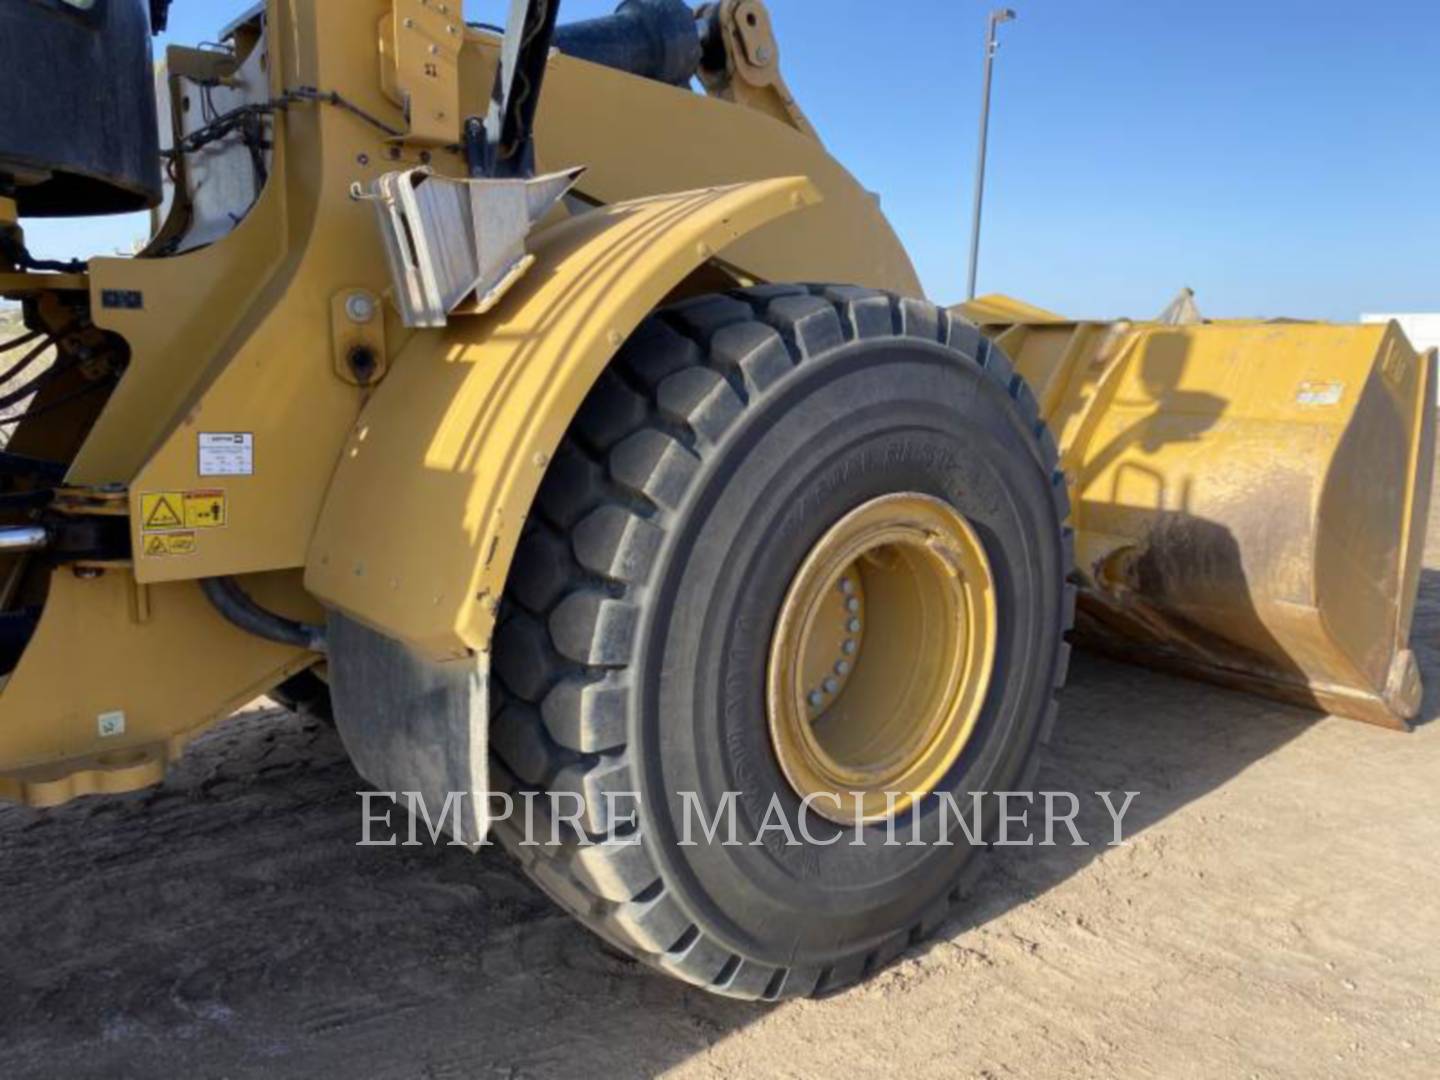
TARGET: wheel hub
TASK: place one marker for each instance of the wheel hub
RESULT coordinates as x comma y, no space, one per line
881,657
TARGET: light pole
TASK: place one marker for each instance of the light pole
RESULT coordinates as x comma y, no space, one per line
998,16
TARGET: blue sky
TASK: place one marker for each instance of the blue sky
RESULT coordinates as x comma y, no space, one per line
1281,157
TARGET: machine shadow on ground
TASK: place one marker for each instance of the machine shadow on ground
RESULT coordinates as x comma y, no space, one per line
228,921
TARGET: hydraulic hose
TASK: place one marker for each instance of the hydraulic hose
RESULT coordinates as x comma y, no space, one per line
236,606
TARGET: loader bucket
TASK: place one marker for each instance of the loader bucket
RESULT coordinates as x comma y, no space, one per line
1250,497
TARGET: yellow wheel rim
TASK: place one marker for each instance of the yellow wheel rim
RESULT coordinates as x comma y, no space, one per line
881,657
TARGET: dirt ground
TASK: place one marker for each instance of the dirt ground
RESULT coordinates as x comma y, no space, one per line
1274,915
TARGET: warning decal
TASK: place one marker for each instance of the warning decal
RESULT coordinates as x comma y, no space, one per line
165,510
170,511
204,509
182,543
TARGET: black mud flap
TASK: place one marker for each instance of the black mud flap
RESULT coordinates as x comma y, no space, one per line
414,726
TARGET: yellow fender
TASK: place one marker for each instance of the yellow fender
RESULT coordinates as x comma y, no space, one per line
435,481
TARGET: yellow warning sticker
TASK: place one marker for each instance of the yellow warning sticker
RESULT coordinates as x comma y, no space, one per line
162,510
204,509
171,511
164,544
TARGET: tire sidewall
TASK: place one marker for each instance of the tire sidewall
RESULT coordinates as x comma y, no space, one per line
869,419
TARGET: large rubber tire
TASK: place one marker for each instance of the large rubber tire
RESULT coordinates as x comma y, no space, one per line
728,435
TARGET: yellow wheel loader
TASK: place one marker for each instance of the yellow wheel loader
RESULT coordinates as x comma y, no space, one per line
571,432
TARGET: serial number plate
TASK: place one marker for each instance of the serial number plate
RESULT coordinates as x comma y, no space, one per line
227,453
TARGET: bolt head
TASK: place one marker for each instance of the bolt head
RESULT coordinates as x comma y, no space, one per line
842,667
850,647
831,686
853,626
816,699
360,307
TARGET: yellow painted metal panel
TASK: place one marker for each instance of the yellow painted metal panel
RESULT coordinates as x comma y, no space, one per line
119,676
438,476
638,137
238,336
995,308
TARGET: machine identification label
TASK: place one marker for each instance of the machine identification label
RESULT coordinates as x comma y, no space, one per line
165,544
1320,393
169,511
227,453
